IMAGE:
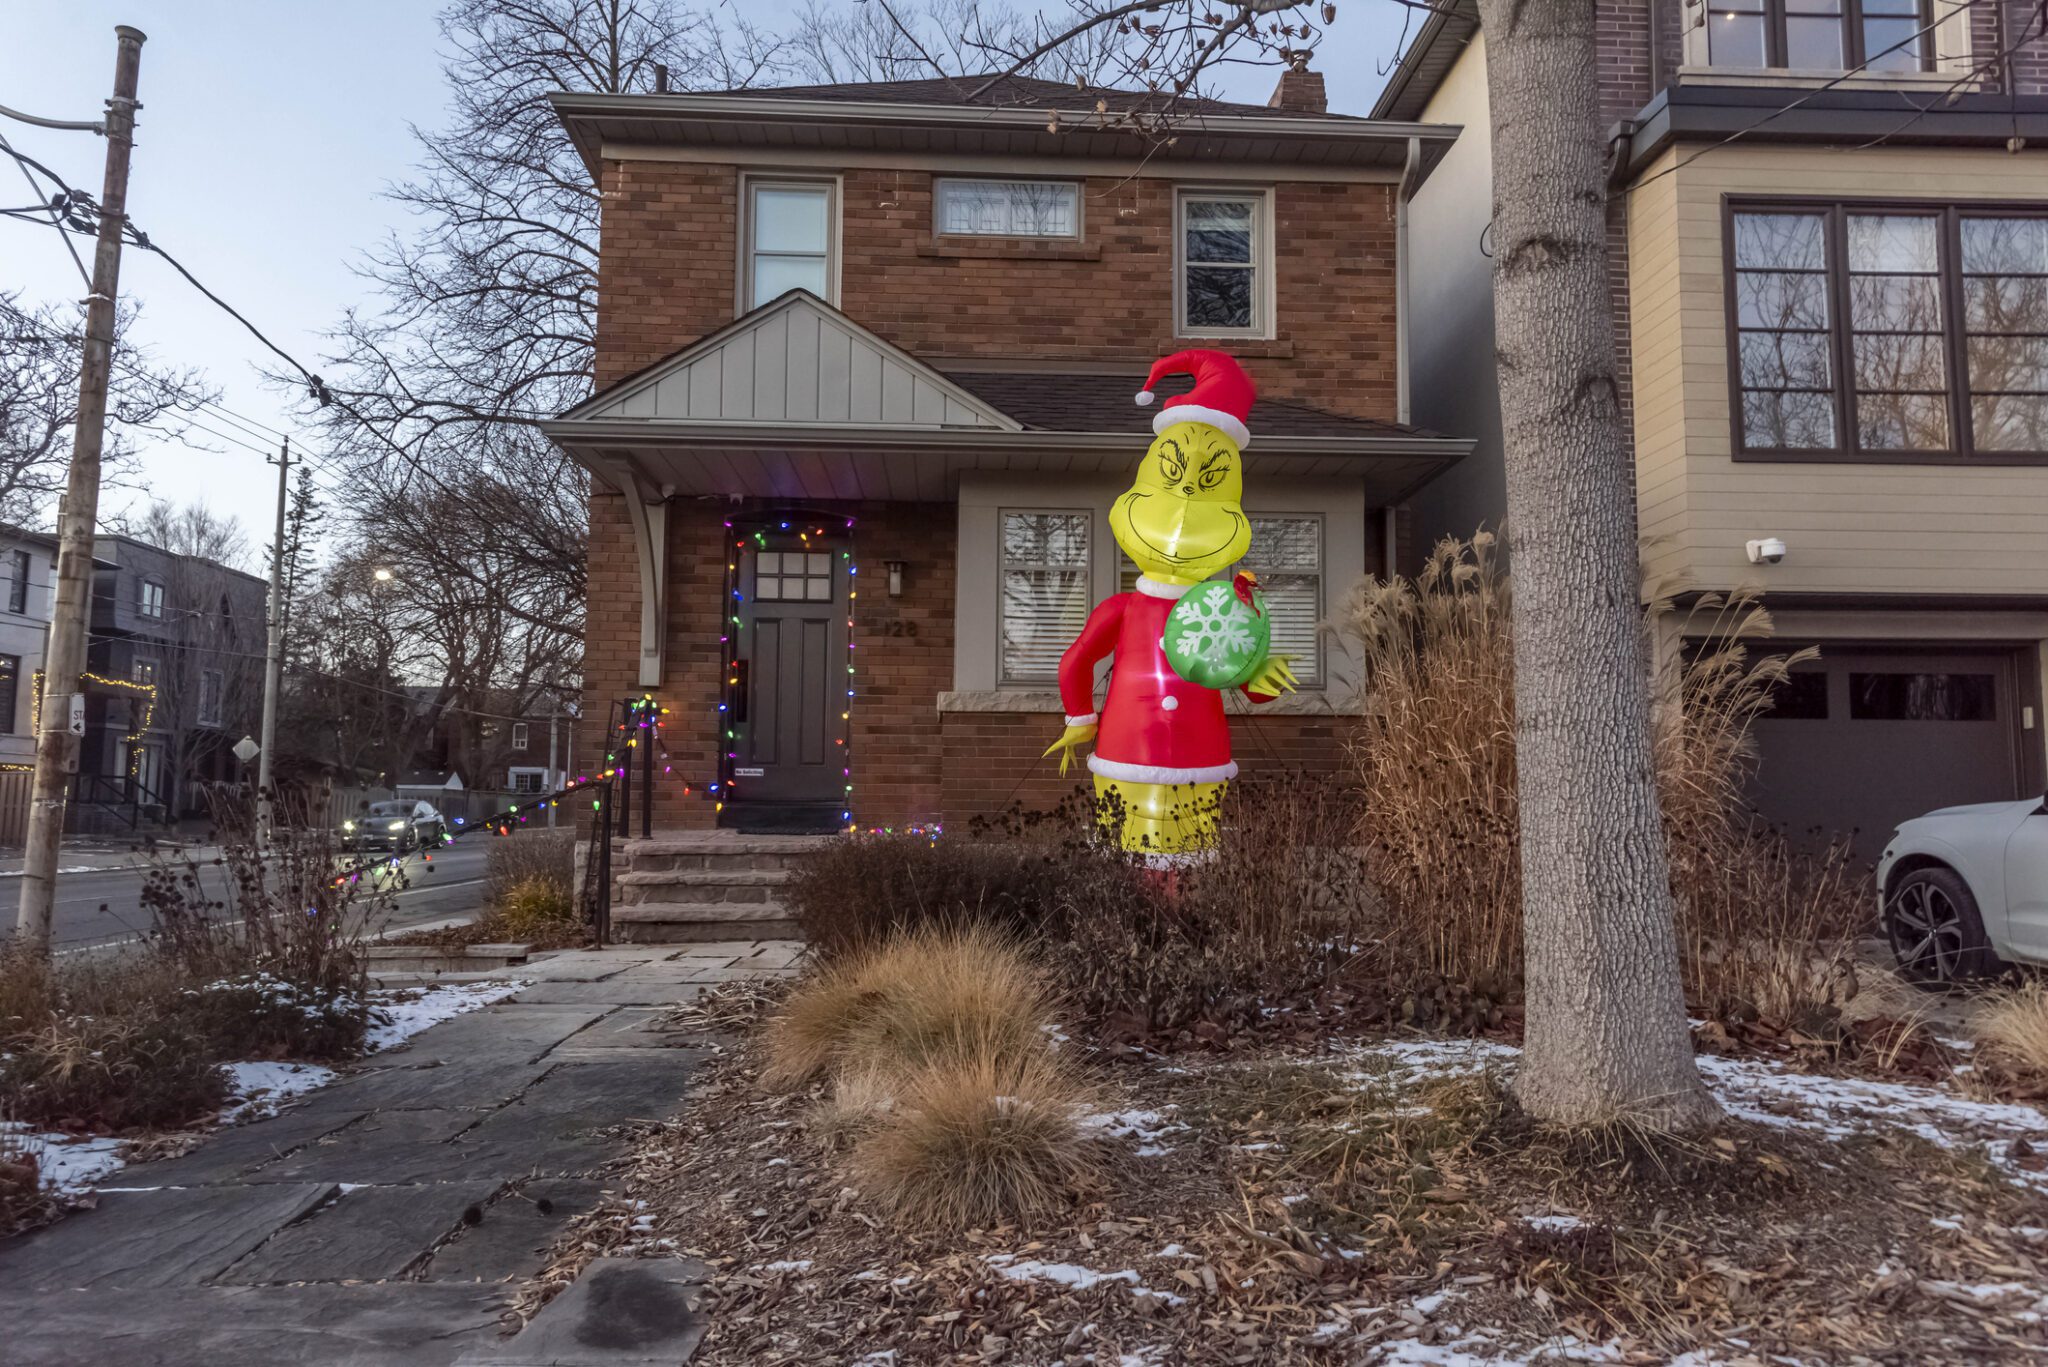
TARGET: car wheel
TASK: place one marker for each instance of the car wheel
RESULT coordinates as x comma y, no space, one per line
1936,933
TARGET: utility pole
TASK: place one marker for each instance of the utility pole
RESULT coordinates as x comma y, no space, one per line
63,714
273,654
554,781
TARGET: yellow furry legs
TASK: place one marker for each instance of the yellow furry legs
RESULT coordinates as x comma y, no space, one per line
1159,818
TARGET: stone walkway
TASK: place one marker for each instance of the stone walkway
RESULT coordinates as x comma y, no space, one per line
387,1219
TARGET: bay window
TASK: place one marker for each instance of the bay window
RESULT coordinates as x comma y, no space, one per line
1888,332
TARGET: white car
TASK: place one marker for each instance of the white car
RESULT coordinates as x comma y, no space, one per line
1963,892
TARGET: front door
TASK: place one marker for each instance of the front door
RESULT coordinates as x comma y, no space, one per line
788,755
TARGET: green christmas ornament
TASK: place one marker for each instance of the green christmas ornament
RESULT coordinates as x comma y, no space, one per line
1219,634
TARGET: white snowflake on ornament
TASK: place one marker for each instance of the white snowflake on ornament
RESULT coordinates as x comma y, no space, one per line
1214,628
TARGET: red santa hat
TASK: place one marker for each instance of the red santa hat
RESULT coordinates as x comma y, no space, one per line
1222,396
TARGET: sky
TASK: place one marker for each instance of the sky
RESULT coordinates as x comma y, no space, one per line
268,133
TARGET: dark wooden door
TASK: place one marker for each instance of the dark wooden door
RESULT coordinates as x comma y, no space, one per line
788,745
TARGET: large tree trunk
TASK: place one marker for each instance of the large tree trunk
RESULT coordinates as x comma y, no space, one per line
1606,1031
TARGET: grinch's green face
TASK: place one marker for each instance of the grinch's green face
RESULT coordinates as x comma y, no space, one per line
1181,521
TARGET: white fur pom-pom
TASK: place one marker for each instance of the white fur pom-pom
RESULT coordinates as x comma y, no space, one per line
1144,398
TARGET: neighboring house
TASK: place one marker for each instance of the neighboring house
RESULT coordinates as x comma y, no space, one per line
1832,297
174,664
885,337
27,560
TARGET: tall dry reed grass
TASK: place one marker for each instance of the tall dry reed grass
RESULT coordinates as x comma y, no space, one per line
1763,925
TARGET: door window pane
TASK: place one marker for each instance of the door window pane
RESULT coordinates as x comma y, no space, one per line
1009,208
1044,592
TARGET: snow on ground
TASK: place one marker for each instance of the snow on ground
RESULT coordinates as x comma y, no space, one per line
256,1089
1073,1276
1144,1126
399,1015
71,1165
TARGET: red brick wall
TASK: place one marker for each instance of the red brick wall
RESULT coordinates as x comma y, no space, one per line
670,254
993,760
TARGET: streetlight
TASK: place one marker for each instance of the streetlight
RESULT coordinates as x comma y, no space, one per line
382,574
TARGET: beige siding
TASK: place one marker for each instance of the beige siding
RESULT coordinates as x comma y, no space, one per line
1864,527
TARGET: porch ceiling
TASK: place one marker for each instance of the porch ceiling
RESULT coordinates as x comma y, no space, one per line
657,460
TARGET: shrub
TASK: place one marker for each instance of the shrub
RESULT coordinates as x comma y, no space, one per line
100,1073
537,908
1762,925
258,1015
922,996
979,1138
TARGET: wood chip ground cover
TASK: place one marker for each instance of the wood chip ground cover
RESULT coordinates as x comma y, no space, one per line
1375,1202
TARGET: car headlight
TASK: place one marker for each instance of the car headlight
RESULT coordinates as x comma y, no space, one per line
398,825
348,825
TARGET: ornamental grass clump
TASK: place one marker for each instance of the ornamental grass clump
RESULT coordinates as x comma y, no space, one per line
1765,924
2013,1027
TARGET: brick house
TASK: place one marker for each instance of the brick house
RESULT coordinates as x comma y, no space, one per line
1830,279
865,364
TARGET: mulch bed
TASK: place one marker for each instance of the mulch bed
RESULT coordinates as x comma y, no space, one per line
1280,1206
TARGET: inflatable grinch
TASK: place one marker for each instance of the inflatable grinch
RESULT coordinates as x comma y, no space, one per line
1162,744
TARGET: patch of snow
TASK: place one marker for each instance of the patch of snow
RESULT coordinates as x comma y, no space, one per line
255,1089
1946,1224
1553,1224
1145,1126
397,1015
1066,1274
1173,1251
788,1265
71,1165
76,868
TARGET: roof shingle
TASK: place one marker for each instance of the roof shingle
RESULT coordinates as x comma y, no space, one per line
1019,92
1051,401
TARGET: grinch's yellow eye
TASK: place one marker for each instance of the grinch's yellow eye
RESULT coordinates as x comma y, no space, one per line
1171,463
1215,469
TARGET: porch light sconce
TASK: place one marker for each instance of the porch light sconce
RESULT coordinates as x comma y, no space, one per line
895,578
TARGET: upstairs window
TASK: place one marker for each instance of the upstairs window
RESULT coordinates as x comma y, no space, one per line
1221,271
1878,36
518,735
149,600
1045,592
789,239
17,586
1009,208
1889,333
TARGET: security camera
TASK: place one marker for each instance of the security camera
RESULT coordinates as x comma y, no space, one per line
1769,551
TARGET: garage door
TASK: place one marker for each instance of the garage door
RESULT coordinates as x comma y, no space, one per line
1864,738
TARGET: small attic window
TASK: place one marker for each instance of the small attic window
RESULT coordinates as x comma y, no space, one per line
1009,208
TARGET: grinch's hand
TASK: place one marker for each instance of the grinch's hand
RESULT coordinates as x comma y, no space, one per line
1273,677
1070,740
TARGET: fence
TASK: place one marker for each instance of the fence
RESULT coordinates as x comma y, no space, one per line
15,785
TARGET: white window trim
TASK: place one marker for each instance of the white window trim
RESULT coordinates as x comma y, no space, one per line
1004,679
1264,299
1316,680
143,587
751,181
939,184
519,735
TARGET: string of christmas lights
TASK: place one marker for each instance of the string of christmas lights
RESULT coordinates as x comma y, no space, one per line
132,740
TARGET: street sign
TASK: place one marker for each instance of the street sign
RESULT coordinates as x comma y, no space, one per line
77,721
247,749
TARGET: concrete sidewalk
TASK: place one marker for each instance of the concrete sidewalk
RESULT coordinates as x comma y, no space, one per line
387,1219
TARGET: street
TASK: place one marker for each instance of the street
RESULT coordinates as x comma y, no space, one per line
101,905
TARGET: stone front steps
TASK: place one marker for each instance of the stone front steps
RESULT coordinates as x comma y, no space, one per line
713,885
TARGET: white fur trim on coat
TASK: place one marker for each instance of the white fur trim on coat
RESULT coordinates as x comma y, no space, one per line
1089,720
1156,773
1194,412
1152,588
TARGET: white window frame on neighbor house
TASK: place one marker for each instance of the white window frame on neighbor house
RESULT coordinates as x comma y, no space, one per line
527,780
10,681
750,186
1006,675
1260,265
948,186
519,736
17,587
149,599
212,685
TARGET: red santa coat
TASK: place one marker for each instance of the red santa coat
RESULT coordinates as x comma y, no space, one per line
1156,727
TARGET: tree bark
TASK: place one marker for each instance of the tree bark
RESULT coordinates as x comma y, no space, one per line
1606,1036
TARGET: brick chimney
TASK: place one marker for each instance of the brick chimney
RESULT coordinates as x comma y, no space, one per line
1300,89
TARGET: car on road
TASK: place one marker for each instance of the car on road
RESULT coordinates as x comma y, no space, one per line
1963,891
401,826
